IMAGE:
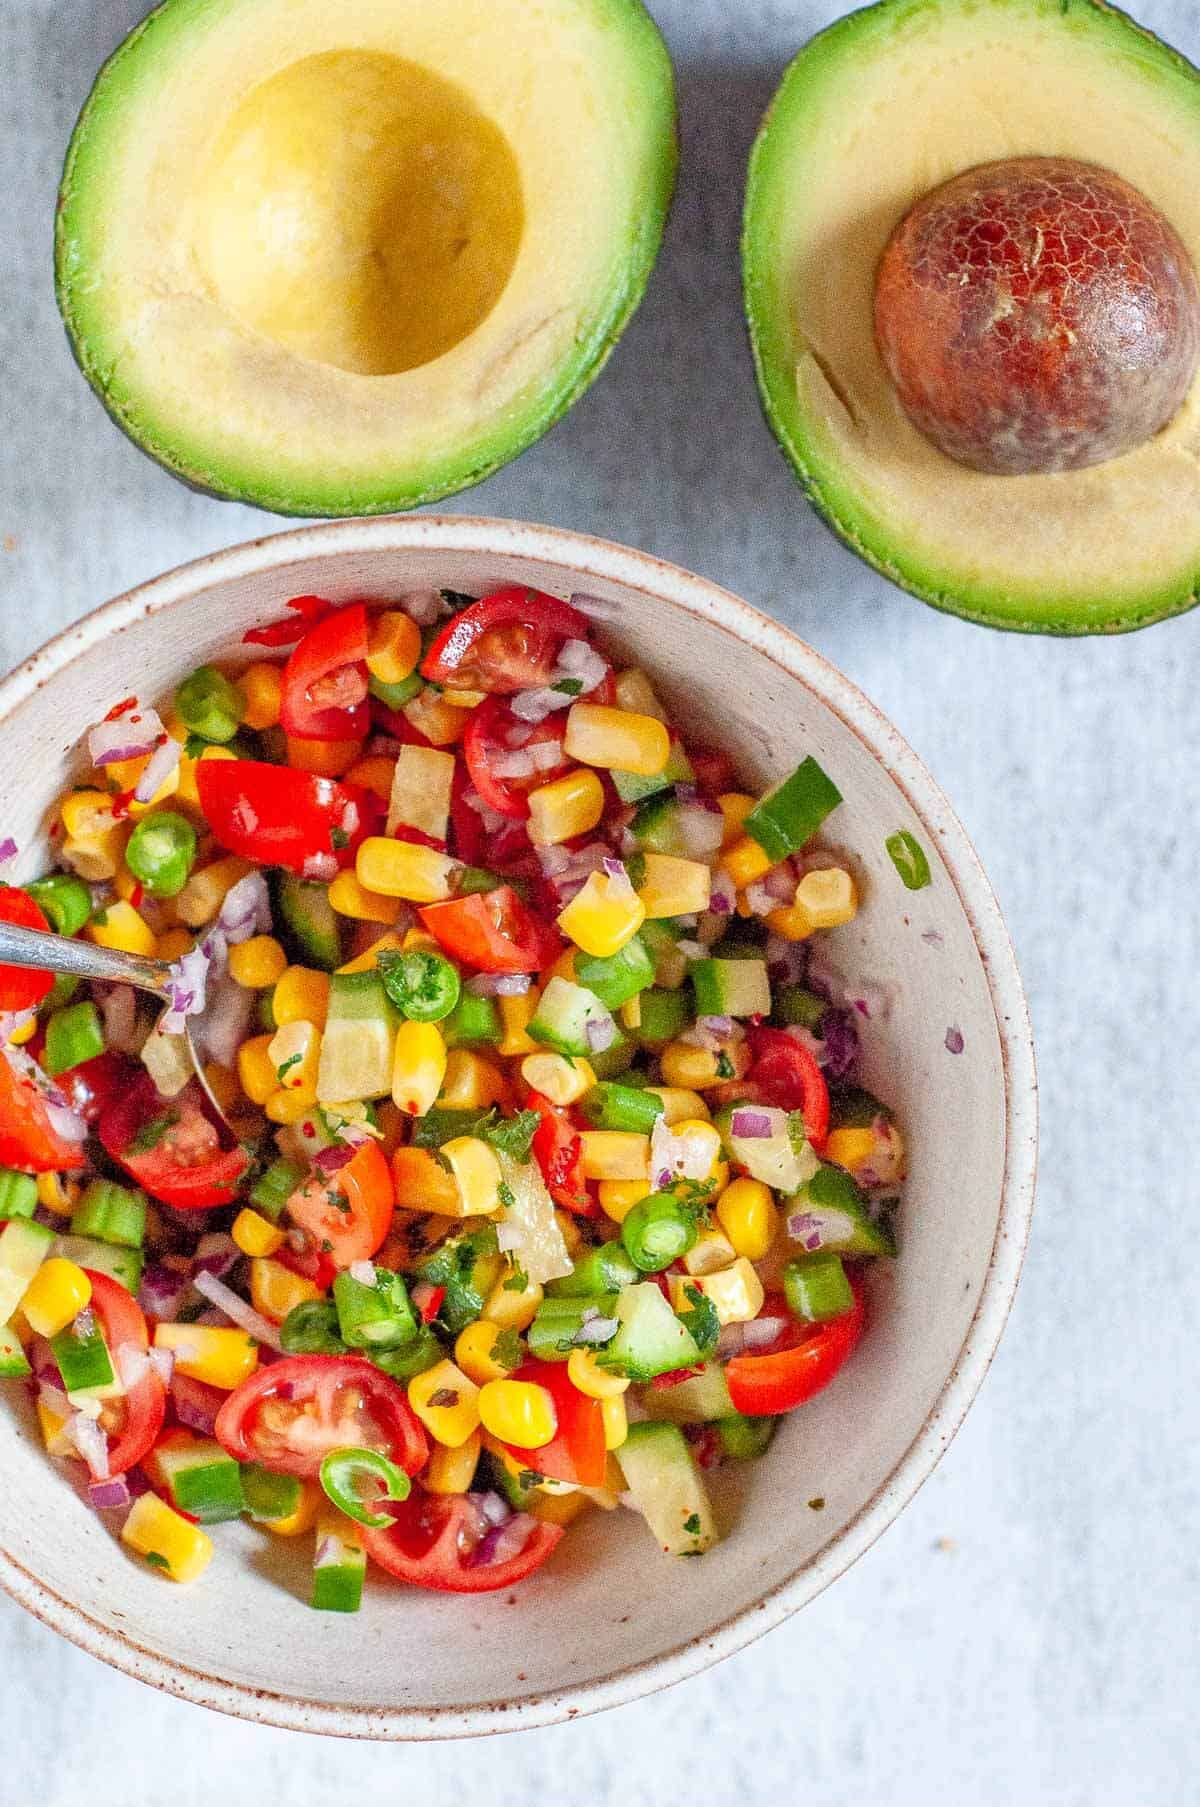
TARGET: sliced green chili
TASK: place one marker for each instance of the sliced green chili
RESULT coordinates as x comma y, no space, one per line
658,1231
161,852
73,1035
209,705
909,858
65,901
344,1474
424,985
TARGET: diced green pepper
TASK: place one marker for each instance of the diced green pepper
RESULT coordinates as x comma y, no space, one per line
18,1194
271,1191
209,705
312,1328
816,1288
472,1022
421,984
161,852
377,1316
73,1035
64,900
615,978
111,1213
659,1230
790,814
626,1107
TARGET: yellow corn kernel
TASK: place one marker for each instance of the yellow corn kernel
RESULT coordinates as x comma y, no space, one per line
56,1194
789,922
618,1197
710,1253
566,807
126,885
167,1540
420,796
221,1357
95,859
189,791
207,889
512,1308
120,926
25,1033
734,806
516,1014
323,758
53,1429
736,1291
688,1067
614,1154
287,1108
420,941
124,773
439,721
518,1412
473,1351
747,1213
258,962
256,1069
464,699
471,1083
422,1183
374,774
173,944
301,995
616,1421
560,1080
368,961
55,1296
702,1131
829,897
619,740
295,1053
255,1234
452,1470
603,915
418,1067
636,693
393,646
275,1290
569,1230
350,898
303,1518
557,1508
563,968
631,1013
261,684
746,862
402,869
87,814
850,1148
679,1104
446,1402
674,887
477,1173
586,1373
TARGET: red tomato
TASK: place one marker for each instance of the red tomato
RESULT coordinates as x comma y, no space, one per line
94,1084
487,740
28,1138
713,769
348,1213
290,1414
577,1452
801,1360
785,1074
434,1537
324,695
505,642
280,817
466,824
309,610
558,1151
21,987
493,932
172,1147
143,1405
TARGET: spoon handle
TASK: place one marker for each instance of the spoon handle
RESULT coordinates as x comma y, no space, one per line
81,959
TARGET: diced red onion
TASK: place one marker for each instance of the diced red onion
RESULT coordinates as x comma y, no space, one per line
786,960
237,1310
353,1135
692,950
601,1032
424,606
128,737
596,1330
750,1125
806,1229
327,1552
685,1155
954,1040
505,1541
722,898
731,1341
55,1400
196,1403
596,606
839,1043
162,1291
329,1160
363,1272
499,985
760,1332
553,860
699,831
158,768
66,1123
320,866
246,910
163,1363
118,1012
780,882
525,763
8,851
109,1496
827,980
497,1511
92,1444
226,1021
132,1364
578,659
759,901
216,1253
187,989
535,705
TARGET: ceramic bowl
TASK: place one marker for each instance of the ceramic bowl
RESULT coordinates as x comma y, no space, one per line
609,1618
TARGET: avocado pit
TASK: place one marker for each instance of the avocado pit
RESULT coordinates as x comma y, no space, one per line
1037,315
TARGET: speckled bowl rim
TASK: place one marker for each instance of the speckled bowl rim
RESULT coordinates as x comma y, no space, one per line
582,558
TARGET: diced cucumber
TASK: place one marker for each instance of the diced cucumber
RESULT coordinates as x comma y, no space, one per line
18,1194
651,1339
615,978
662,943
816,1288
732,988
836,1218
657,826
311,921
270,1496
633,787
627,1107
796,1007
84,1361
564,1013
122,1265
339,1565
784,1159
700,1399
413,1358
745,1439
394,696
791,812
24,1245
667,1488
13,1365
665,1014
359,1039
202,1480
473,1022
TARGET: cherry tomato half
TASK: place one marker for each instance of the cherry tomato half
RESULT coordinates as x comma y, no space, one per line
324,694
493,932
280,817
142,1406
487,741
28,1138
577,1452
801,1360
785,1074
558,1151
21,987
506,642
348,1213
171,1146
439,1541
290,1414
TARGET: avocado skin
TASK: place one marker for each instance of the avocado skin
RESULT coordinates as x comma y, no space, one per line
836,41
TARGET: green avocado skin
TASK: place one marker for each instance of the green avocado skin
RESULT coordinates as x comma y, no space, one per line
460,468
848,39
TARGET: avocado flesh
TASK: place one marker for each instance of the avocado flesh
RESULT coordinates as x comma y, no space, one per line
872,114
347,259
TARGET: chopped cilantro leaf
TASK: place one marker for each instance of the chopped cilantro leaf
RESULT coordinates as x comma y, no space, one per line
512,1136
529,1477
152,1133
702,1320
338,838
507,1350
444,1397
692,1525
156,1560
568,686
293,1060
518,1280
506,1195
725,1069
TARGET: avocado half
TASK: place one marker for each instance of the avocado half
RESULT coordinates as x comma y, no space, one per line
874,113
345,259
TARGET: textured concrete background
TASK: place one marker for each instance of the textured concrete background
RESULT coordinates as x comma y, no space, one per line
1027,1631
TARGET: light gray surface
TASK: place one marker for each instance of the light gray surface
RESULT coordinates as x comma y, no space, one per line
1026,1632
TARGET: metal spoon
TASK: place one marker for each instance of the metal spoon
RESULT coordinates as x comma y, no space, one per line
84,960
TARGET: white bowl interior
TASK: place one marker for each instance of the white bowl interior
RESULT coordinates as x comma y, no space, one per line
608,1601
